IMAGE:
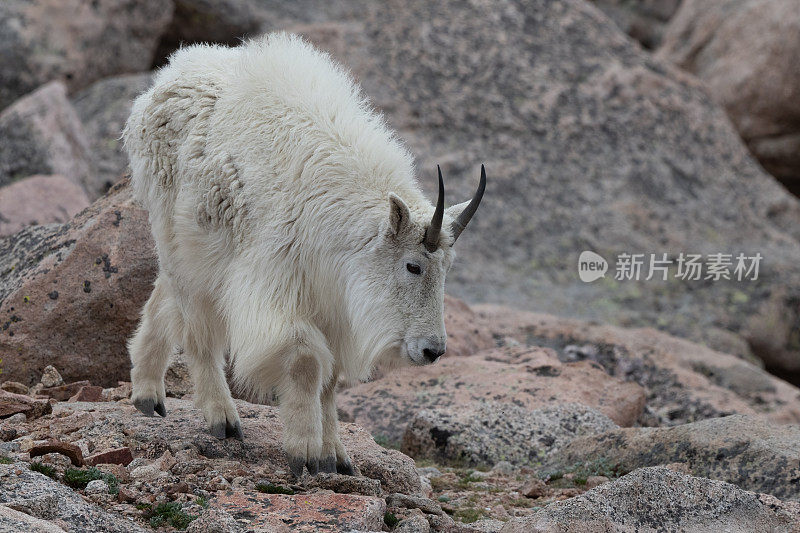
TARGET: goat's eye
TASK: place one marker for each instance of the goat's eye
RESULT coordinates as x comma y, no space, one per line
414,269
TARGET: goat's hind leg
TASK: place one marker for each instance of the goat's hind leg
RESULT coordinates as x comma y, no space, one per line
150,349
205,343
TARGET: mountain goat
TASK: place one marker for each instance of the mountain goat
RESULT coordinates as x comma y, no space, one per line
291,235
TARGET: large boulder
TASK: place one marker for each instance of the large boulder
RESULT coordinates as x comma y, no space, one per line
485,434
103,108
683,381
746,52
75,41
71,294
590,144
528,377
749,452
42,135
39,200
658,499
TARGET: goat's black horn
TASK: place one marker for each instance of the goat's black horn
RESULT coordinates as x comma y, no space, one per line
465,216
431,240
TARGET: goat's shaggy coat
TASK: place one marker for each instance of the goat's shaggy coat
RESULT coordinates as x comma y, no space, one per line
288,227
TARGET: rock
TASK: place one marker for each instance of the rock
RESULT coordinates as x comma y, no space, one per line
66,449
51,377
747,451
530,377
44,498
119,456
76,42
11,521
345,484
97,486
644,20
214,521
184,429
203,21
146,473
43,135
535,488
14,387
683,381
578,129
404,501
746,51
88,393
39,200
102,264
103,108
488,433
596,481
658,499
64,392
11,404
305,512
178,380
413,524
120,392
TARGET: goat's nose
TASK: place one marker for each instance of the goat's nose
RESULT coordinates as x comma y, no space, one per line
432,355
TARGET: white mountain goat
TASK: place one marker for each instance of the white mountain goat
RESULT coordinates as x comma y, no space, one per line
291,235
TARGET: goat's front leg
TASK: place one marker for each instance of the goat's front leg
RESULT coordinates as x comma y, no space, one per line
308,369
334,456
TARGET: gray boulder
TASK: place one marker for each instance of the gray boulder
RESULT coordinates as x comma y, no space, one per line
747,451
103,108
658,499
489,433
42,134
75,41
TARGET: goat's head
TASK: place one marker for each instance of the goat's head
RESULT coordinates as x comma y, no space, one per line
415,253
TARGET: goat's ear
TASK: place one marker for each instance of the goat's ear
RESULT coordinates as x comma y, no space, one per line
399,215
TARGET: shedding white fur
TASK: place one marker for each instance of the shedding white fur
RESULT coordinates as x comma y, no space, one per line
290,232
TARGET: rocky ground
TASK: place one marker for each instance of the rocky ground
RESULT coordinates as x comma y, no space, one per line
560,422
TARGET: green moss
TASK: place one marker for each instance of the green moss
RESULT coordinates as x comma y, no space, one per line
202,502
169,513
42,468
5,460
390,519
269,488
79,478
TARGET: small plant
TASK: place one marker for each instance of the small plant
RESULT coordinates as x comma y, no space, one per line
469,515
78,479
386,442
202,502
169,513
42,468
468,478
270,488
390,519
5,460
